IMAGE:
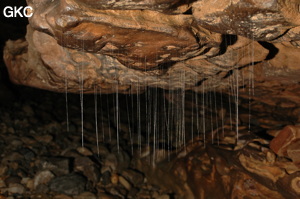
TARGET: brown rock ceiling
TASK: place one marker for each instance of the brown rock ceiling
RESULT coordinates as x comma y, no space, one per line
167,44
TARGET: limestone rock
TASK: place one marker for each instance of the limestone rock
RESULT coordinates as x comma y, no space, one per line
216,171
140,39
258,20
71,184
130,5
114,46
286,143
42,177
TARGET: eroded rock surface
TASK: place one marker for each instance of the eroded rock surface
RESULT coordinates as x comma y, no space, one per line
116,46
219,170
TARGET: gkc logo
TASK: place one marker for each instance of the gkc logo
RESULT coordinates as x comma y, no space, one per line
10,11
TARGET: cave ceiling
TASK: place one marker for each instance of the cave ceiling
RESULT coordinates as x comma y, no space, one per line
127,46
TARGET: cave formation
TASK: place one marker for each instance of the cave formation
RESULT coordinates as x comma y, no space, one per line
213,86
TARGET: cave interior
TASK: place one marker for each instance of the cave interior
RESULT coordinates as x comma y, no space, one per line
219,120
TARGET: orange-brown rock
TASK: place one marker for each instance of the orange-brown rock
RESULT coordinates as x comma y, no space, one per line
287,143
76,70
131,5
259,20
115,46
218,171
139,39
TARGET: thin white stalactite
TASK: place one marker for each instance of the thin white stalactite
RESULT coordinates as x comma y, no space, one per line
237,104
117,118
222,113
96,118
155,136
108,116
129,125
80,71
183,118
203,116
139,120
197,114
216,111
66,99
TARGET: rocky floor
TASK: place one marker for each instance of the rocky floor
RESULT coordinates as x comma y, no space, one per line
48,151
42,155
